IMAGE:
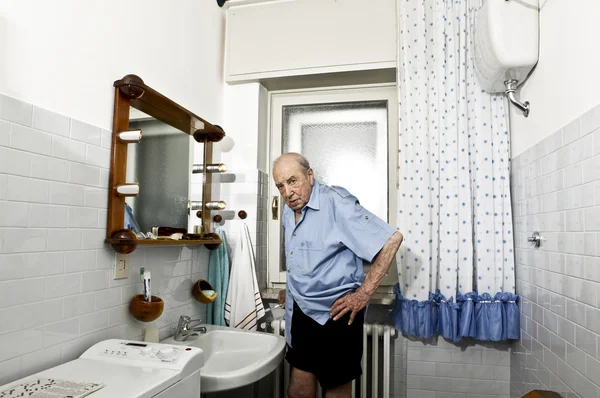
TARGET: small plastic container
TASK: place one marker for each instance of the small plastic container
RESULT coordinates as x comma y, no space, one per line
146,311
203,292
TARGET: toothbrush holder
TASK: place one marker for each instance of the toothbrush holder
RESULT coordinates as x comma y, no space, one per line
146,311
199,292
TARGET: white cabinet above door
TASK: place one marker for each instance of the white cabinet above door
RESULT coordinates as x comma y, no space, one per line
302,37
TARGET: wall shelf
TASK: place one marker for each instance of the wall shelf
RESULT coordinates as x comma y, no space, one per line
210,242
166,242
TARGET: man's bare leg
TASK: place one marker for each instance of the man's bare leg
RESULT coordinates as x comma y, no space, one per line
343,391
302,384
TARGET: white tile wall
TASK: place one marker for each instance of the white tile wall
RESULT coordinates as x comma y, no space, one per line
57,295
14,162
4,133
51,122
13,110
30,140
559,283
64,148
438,368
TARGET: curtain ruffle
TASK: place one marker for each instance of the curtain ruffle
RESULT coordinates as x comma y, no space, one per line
481,317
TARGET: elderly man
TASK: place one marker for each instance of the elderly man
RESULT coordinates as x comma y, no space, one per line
327,235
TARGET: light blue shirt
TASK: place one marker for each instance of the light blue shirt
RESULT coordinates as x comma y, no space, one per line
324,251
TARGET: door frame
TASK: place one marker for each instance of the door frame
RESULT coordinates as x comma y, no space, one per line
324,95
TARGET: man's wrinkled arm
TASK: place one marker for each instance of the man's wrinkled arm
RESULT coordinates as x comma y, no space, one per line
355,302
381,265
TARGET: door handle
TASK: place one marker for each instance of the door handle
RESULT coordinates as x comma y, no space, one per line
275,207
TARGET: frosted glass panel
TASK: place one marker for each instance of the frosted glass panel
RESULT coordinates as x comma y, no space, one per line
346,145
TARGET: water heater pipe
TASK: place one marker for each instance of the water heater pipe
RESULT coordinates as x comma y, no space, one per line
511,86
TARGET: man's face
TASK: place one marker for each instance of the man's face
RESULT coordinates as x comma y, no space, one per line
295,185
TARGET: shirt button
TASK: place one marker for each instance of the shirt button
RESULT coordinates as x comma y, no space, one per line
294,234
291,253
288,271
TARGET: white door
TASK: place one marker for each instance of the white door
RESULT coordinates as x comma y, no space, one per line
349,136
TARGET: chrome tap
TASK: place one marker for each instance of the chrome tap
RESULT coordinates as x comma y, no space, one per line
184,330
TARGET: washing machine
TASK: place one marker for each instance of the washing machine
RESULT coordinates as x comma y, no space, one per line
118,369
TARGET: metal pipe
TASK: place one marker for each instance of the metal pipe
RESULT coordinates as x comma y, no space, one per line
276,324
375,359
286,377
278,329
386,360
363,378
276,382
511,86
286,365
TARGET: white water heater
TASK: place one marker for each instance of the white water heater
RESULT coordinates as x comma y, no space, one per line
506,44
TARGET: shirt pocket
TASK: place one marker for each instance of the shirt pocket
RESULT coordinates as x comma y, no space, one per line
310,255
369,221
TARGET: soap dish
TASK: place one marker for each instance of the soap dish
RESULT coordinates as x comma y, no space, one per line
146,311
204,292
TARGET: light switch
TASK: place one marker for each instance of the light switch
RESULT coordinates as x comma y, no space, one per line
121,266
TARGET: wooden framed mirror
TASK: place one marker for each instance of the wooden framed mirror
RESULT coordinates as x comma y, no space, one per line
150,170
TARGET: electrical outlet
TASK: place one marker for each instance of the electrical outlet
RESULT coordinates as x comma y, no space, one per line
121,267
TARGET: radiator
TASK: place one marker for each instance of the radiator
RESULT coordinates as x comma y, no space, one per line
375,333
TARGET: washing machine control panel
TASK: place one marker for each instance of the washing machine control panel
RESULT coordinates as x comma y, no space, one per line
148,355
147,352
141,351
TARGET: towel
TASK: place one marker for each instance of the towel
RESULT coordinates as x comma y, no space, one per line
243,307
218,277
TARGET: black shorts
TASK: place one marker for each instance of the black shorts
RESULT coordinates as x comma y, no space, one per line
332,352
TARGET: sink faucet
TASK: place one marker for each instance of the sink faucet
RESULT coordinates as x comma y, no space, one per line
183,331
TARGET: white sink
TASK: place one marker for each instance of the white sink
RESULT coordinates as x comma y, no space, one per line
235,357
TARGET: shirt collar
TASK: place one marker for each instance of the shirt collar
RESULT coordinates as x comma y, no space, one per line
313,202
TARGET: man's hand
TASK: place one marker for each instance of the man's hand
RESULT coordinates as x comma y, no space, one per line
360,298
282,298
353,302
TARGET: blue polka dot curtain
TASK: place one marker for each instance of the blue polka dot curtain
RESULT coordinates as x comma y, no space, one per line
456,266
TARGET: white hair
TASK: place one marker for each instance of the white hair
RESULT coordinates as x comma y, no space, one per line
302,161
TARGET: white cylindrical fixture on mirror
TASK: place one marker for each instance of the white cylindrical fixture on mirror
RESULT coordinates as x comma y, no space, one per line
128,190
131,136
210,168
216,205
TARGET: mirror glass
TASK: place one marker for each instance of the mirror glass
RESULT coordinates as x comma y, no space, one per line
161,163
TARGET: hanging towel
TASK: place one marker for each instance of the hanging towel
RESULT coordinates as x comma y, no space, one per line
243,307
218,277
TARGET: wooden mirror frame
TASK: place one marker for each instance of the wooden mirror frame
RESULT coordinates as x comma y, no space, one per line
131,91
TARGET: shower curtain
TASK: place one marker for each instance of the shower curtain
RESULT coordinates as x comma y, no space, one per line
456,265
